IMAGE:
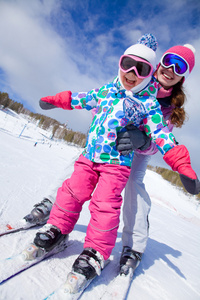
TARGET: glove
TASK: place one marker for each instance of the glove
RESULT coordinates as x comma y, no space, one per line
62,100
132,139
178,159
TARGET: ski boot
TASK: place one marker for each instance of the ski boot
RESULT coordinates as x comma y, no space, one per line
130,259
48,241
48,237
40,214
85,268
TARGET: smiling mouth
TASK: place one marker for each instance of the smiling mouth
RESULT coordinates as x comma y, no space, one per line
130,81
167,76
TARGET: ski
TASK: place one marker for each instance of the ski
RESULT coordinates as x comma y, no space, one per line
122,281
63,293
74,286
103,287
30,256
122,275
38,216
15,227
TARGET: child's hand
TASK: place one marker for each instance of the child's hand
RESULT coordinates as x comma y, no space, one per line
62,100
178,159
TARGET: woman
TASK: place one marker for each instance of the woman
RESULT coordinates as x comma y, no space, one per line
175,65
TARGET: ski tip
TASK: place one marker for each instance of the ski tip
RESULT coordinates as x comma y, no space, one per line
9,227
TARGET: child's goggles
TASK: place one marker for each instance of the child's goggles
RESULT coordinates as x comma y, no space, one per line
141,67
180,65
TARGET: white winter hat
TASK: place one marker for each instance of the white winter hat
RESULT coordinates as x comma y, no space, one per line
145,48
144,52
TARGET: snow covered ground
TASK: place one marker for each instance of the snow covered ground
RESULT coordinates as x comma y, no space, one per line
170,268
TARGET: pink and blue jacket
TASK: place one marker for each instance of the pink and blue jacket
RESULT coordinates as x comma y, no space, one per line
116,108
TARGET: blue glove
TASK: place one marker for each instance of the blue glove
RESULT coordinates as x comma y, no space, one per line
132,139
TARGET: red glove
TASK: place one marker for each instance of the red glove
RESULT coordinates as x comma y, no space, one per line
62,100
178,159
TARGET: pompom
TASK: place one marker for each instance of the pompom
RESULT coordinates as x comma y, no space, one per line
190,47
148,40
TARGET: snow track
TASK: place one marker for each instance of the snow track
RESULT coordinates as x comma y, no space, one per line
170,268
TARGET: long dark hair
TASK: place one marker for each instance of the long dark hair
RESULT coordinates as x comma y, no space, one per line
178,115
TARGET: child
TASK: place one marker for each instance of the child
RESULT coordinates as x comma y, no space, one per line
118,103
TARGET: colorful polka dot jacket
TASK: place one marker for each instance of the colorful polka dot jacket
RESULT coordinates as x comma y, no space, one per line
116,108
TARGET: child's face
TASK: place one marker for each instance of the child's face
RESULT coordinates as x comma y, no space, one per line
129,80
167,78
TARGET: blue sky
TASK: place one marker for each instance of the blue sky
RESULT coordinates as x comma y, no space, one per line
54,45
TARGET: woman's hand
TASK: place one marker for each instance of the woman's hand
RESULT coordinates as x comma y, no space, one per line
178,158
132,139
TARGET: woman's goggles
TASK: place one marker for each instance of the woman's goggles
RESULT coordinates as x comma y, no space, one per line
180,65
141,67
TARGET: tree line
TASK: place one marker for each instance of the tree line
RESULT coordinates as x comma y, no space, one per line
59,130
170,176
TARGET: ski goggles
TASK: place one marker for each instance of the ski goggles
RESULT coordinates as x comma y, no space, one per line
180,65
141,67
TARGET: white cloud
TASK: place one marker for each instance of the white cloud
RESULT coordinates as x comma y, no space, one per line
35,59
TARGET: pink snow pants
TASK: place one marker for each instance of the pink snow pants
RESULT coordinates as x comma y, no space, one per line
109,181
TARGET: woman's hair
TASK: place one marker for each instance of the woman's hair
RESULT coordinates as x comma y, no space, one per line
178,115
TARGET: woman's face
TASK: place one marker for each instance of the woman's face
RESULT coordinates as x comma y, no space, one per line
167,78
129,80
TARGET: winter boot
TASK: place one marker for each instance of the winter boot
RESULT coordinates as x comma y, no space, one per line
40,214
130,259
89,263
48,237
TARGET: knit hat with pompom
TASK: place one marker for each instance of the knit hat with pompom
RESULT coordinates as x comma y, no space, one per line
187,52
145,49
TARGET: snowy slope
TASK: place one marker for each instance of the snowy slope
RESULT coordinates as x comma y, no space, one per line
170,268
